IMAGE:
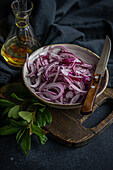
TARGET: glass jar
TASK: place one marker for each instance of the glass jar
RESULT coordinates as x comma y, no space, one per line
21,40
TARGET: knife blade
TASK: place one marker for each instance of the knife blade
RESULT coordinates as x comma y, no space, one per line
99,73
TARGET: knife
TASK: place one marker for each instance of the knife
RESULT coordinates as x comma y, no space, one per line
99,73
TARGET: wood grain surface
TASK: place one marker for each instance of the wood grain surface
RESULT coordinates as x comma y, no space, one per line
67,125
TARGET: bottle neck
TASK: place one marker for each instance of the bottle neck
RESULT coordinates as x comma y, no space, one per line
22,22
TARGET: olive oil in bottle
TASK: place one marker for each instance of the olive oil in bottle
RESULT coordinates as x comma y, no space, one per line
21,39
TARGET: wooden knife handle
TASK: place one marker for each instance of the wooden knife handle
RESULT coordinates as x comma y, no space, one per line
90,97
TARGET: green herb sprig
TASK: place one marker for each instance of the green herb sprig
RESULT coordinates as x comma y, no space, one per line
25,118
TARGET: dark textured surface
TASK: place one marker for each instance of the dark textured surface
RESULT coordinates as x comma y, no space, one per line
82,22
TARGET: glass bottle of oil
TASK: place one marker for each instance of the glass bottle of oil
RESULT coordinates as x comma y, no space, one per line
21,39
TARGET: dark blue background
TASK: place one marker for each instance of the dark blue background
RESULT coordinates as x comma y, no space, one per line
82,22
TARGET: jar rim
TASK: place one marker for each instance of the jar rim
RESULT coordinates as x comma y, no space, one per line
28,10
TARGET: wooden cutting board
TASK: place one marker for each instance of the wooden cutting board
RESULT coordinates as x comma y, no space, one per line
67,127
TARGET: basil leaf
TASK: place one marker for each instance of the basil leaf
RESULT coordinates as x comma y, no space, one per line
37,130
48,113
43,121
26,115
23,122
39,118
43,139
43,117
13,112
17,123
42,109
16,97
39,104
8,130
19,134
6,103
46,118
41,134
26,141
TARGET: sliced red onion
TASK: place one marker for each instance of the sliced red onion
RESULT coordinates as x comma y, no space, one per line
68,54
57,73
41,86
38,80
61,99
53,86
89,66
55,56
52,75
65,71
69,94
41,94
27,63
50,92
33,70
49,67
74,86
58,47
80,84
40,71
62,77
75,99
46,62
76,77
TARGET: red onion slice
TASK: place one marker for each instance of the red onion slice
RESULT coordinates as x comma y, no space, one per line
38,80
50,66
53,86
75,99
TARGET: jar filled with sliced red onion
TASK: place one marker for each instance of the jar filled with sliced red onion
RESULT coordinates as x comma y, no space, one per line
59,76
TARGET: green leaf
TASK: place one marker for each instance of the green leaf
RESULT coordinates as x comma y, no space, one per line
26,115
40,133
6,110
42,109
26,141
8,130
48,113
43,117
19,134
46,118
23,122
39,118
37,130
13,112
6,103
17,123
16,97
39,104
43,121
43,139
